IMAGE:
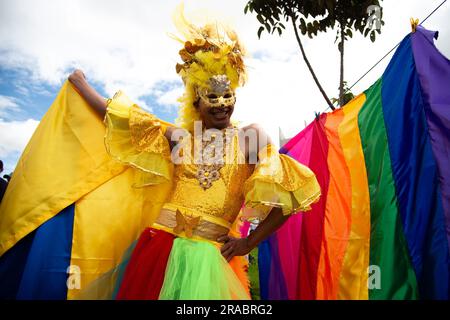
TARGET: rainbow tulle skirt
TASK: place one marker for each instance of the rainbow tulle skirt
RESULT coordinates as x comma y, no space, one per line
163,266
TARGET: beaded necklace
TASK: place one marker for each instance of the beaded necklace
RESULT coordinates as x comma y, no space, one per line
213,153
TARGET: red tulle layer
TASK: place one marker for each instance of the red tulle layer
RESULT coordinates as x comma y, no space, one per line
145,271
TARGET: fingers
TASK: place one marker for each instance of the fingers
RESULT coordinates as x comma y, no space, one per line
227,249
81,73
228,254
77,75
226,246
224,238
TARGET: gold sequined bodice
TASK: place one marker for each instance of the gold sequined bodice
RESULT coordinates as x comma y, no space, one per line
223,199
205,198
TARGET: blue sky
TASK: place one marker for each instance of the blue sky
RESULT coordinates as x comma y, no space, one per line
33,99
30,100
123,45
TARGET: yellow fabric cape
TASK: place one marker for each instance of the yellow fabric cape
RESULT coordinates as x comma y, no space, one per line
66,162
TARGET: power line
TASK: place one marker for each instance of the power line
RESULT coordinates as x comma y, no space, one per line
433,11
373,67
378,62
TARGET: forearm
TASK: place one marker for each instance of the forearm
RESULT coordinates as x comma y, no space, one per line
273,221
91,96
242,246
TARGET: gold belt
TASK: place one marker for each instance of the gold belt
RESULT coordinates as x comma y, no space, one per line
199,227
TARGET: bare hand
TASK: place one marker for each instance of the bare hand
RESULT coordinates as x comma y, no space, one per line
77,77
234,247
89,94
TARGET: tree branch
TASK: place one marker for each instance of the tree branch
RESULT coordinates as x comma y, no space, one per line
341,80
309,65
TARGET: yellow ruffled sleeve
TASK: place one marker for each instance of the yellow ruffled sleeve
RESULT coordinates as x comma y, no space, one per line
136,138
279,181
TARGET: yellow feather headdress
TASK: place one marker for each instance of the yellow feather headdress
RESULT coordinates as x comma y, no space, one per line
211,50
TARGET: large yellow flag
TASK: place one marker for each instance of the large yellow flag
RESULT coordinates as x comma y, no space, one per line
66,162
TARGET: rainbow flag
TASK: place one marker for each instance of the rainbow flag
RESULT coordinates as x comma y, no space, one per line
381,229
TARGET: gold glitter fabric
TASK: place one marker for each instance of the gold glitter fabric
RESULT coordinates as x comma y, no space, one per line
194,228
221,201
136,138
192,210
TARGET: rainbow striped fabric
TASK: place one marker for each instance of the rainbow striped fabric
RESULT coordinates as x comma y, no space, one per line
382,227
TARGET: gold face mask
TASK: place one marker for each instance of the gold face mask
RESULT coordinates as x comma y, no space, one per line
218,94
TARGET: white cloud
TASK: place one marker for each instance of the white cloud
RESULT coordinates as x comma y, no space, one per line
15,135
170,97
7,104
124,45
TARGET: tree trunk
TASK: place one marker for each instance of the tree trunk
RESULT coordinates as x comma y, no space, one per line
309,65
341,80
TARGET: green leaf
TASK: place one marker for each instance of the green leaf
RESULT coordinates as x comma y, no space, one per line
260,18
260,30
302,26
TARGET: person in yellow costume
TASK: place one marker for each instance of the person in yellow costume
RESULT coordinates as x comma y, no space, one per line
180,187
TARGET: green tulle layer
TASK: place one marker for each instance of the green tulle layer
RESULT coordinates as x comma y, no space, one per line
197,271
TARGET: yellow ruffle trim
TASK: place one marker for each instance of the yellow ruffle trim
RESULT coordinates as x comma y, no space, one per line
279,181
136,138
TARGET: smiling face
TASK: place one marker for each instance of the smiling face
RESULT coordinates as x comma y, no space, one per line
215,117
216,102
